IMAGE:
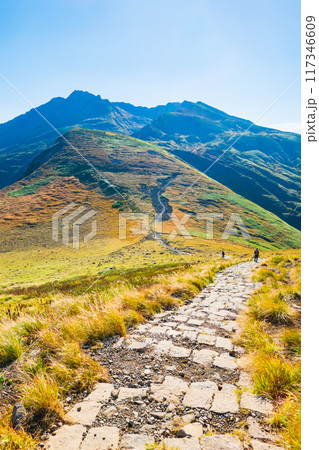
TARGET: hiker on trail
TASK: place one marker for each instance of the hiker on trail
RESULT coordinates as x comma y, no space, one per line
223,254
256,255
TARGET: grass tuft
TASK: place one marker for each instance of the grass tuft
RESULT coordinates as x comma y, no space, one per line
275,377
41,398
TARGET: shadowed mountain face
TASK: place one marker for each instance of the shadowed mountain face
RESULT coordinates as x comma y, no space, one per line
141,178
22,138
259,163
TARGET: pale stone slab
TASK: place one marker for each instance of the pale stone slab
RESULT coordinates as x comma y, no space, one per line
255,403
163,347
181,317
224,361
179,352
256,431
194,429
68,433
85,412
101,438
200,394
173,333
170,389
257,445
125,393
224,343
143,328
158,329
170,324
135,441
190,335
183,444
221,442
101,393
245,380
231,388
138,346
204,356
225,402
207,330
195,322
207,339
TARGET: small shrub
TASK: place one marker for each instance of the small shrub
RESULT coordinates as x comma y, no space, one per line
41,398
132,318
287,419
11,347
274,377
292,339
11,439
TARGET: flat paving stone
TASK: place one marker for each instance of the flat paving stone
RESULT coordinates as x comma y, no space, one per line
227,387
255,403
101,438
170,389
179,352
126,392
207,339
195,322
101,393
194,429
72,434
170,324
257,445
224,343
225,402
256,431
190,335
138,346
163,347
204,357
158,329
173,333
84,412
224,361
245,380
183,443
220,442
135,441
181,317
200,394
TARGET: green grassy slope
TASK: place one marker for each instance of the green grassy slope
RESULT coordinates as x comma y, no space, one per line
262,164
141,178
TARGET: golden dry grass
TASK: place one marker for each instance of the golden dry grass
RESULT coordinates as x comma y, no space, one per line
52,335
271,334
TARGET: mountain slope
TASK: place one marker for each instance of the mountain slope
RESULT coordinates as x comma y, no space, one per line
139,176
27,135
259,163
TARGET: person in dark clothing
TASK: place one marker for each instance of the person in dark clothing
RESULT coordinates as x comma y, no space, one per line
223,254
256,255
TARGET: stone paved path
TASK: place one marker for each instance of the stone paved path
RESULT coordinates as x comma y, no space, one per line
175,379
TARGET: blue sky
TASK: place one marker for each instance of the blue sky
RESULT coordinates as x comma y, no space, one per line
238,56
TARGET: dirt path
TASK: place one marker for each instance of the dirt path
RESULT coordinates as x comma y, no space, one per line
175,379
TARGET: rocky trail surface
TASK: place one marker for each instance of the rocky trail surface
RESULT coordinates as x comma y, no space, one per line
176,380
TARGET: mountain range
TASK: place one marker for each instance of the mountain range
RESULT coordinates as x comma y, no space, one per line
260,164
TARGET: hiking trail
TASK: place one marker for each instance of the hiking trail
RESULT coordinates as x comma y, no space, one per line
173,380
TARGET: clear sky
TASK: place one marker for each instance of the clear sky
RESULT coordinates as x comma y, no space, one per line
236,55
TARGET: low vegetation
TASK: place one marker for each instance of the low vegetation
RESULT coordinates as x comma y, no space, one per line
41,346
271,334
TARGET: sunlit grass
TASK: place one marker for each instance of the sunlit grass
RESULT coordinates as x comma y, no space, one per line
271,334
